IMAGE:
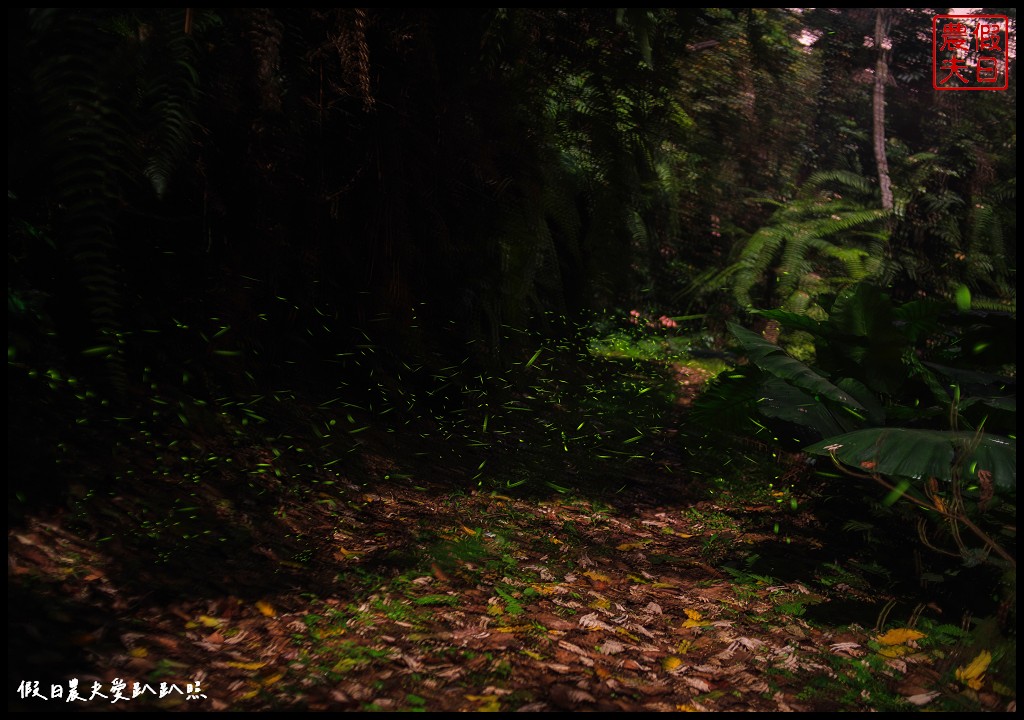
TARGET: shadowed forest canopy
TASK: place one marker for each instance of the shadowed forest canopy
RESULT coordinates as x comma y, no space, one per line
292,178
511,247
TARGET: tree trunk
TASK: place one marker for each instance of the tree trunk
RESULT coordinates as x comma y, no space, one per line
881,76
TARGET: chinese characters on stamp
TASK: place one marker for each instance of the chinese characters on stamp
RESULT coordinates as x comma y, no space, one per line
970,52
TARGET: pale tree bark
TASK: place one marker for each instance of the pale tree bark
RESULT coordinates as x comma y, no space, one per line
881,77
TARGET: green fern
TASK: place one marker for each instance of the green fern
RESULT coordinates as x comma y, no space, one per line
814,244
83,136
954,232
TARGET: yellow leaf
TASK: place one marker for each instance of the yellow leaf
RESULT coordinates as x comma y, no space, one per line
671,663
900,636
686,708
139,652
633,545
266,608
974,673
627,633
596,576
246,666
468,531
488,703
545,589
894,651
272,679
694,620
208,621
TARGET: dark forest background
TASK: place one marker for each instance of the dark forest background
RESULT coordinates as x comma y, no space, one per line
226,202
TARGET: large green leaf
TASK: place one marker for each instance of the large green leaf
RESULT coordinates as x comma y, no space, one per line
781,400
774,360
918,454
796,321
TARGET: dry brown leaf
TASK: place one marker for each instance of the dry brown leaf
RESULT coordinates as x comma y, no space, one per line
698,684
567,697
591,622
612,647
571,648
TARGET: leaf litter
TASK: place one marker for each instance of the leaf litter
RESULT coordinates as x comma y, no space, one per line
409,594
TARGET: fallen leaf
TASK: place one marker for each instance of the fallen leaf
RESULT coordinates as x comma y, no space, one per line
567,697
698,684
612,647
488,703
900,636
633,545
671,664
694,620
266,609
974,673
895,651
591,621
922,698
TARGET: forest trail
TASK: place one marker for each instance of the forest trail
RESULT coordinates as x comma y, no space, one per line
395,583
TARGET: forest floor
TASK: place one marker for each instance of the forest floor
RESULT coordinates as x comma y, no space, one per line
217,567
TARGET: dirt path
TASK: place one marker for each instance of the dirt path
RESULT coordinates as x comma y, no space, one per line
257,582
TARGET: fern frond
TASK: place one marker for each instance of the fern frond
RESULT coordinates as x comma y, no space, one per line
806,231
84,142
